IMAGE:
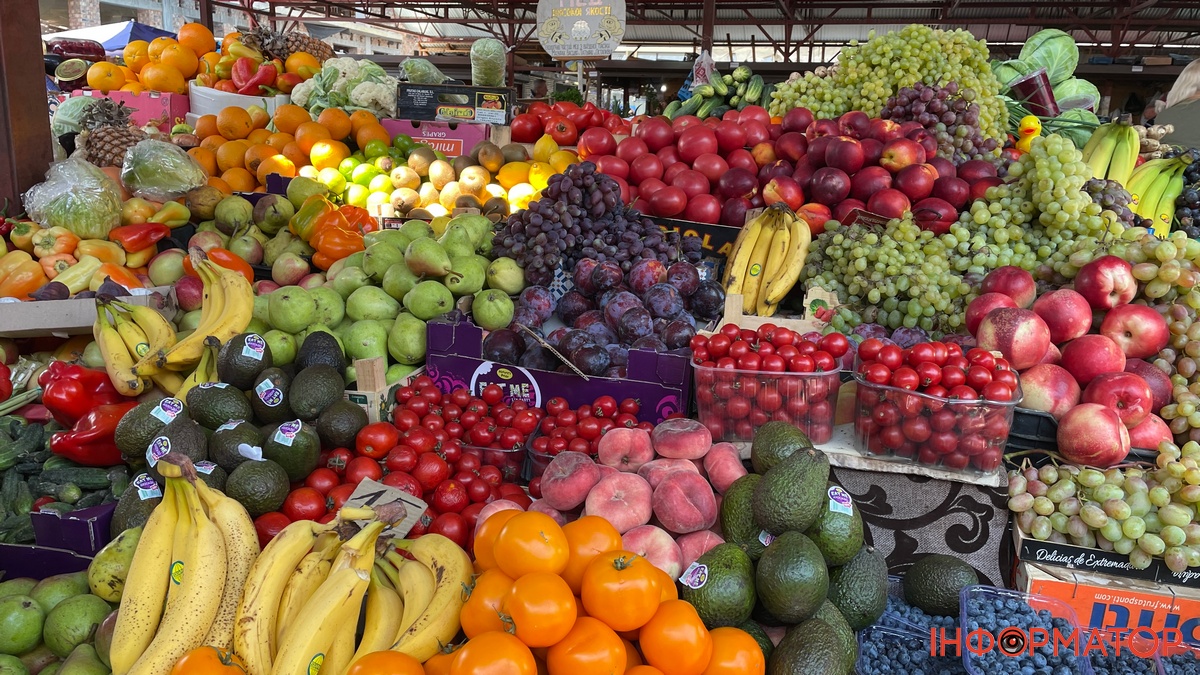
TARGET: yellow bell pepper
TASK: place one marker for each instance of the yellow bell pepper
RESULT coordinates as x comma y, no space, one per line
172,214
79,276
22,235
106,251
238,50
9,262
54,241
23,280
140,258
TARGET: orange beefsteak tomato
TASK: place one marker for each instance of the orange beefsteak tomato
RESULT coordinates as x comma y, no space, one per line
675,640
621,589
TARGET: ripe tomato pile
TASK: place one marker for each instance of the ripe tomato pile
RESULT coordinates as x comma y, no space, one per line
959,416
746,378
580,430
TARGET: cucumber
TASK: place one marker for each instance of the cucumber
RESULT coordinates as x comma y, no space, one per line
23,502
28,468
742,73
92,499
85,477
727,79
69,493
119,476
58,462
710,105
60,508
691,106
741,90
720,111
28,441
705,90
754,89
672,109
8,488
734,101
717,82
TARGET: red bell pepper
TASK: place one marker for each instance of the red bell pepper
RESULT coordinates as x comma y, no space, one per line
226,86
5,383
90,440
251,78
139,237
69,391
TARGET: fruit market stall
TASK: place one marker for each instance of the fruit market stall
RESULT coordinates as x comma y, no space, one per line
819,375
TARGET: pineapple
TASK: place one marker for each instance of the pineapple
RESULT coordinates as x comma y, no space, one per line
108,133
280,46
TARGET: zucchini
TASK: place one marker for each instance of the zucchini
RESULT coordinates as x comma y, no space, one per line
705,90
672,109
87,478
717,82
691,105
742,73
754,89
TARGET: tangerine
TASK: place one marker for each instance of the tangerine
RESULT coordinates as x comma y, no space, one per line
293,152
213,142
279,140
361,118
206,126
289,116
336,121
135,55
164,78
309,133
240,179
300,60
220,184
104,77
133,87
258,136
197,37
255,156
180,58
207,159
234,122
328,154
276,164
371,132
157,45
232,155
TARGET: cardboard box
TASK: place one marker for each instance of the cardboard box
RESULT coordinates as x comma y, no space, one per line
84,531
1094,560
1156,61
148,105
436,102
209,101
374,394
1115,603
451,138
39,562
662,382
71,317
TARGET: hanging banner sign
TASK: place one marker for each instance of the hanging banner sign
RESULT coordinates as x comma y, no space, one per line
580,29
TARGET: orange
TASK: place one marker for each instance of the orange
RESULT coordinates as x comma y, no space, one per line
300,60
280,140
220,184
228,40
240,180
361,118
206,158
289,116
211,143
197,38
256,154
276,164
157,45
206,126
164,78
259,118
130,76
336,121
258,136
105,77
371,132
293,152
135,55
234,122
181,58
309,133
133,87
232,155
328,154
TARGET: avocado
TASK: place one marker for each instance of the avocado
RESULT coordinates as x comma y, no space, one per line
764,617
212,404
135,504
933,583
760,636
811,648
295,446
242,359
314,389
737,517
270,397
223,445
141,424
320,347
775,442
830,615
859,588
721,586
183,436
790,494
259,486
838,531
791,578
212,474
339,424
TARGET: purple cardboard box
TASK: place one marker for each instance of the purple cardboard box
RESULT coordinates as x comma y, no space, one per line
662,382
84,531
39,562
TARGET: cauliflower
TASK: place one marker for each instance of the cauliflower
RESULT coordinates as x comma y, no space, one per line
378,97
302,92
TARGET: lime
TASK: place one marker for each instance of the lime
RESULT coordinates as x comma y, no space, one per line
308,171
359,156
332,179
420,145
348,166
403,143
363,173
378,198
440,155
375,148
379,183
357,195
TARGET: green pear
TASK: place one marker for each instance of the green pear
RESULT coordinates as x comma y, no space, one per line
257,326
277,246
233,213
456,241
300,248
292,309
351,279
283,346
366,340
429,299
506,275
479,226
415,229
262,305
330,306
379,257
394,237
406,341
300,189
53,590
492,309
272,213
471,274
398,371
83,661
17,586
371,302
107,571
399,280
426,258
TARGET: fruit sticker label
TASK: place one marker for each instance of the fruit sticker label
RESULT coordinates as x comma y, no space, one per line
205,467
268,394
765,538
255,347
286,433
695,576
213,385
146,487
840,501
177,572
250,452
167,410
230,425
314,666
158,449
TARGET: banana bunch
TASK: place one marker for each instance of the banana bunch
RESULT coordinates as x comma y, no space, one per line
1154,187
206,544
766,259
125,334
430,588
1112,152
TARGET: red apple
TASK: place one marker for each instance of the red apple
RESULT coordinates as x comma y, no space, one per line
1140,330
844,153
854,124
764,153
1050,389
1106,282
842,211
884,130
872,150
1093,435
1018,334
952,189
889,203
916,181
829,186
1090,356
783,189
1053,355
1066,312
976,169
935,215
1159,382
944,167
980,187
797,119
816,215
820,128
901,152
1012,281
868,181
1124,392
1150,433
791,146
982,305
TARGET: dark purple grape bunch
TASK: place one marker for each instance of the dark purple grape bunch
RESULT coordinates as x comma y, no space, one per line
949,113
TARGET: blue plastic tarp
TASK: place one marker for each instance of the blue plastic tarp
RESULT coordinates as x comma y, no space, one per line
114,36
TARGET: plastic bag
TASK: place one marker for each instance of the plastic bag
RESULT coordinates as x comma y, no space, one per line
421,71
68,118
489,63
703,68
77,195
161,171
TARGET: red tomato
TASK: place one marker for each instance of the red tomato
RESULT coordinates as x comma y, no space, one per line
834,343
557,405
491,474
420,439
979,377
422,525
492,394
401,458
478,490
450,496
905,378
403,481
451,526
268,525
430,470
405,419
596,141
304,504
363,467
339,458
338,496
870,348
376,440
562,130
891,356
526,128
322,480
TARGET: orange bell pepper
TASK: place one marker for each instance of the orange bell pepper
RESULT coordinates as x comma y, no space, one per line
53,265
105,251
54,241
10,261
360,218
120,275
226,86
22,235
334,243
305,219
25,279
224,258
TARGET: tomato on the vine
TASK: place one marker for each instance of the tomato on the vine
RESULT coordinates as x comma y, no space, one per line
450,496
430,470
212,661
492,394
541,608
495,652
268,525
485,598
675,638
451,526
403,481
339,459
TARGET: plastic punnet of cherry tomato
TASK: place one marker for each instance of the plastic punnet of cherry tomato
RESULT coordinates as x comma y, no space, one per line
580,429
934,404
748,377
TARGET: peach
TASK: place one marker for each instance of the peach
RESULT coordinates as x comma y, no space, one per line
723,464
656,470
697,544
684,502
681,439
498,505
657,546
623,499
606,470
567,480
625,449
540,506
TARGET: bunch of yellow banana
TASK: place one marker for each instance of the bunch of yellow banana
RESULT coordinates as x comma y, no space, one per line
430,587
1112,152
1154,187
227,308
204,372
186,576
125,333
766,259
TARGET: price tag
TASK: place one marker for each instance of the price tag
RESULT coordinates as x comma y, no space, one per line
373,494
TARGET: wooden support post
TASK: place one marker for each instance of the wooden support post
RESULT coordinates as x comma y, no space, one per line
25,147
709,19
206,13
